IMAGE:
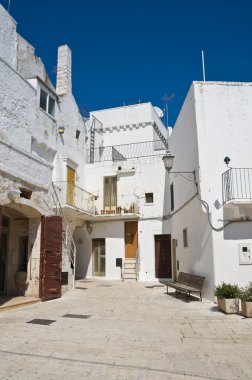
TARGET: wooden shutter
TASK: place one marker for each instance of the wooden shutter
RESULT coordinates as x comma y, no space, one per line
50,257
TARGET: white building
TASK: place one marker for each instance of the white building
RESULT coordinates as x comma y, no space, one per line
33,152
125,174
214,122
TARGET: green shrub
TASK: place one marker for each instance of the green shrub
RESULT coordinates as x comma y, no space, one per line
227,291
246,293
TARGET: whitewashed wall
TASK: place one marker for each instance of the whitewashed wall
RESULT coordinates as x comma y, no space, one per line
214,122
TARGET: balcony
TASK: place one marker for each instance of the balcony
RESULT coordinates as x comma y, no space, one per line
125,151
78,202
237,186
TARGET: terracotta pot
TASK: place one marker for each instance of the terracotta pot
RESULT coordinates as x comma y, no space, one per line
229,305
246,309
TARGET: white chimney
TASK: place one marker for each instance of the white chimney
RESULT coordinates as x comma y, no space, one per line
64,70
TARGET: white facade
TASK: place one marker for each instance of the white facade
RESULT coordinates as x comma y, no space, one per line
214,122
138,168
33,153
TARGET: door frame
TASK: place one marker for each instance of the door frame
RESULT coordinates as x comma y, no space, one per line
158,237
130,222
93,272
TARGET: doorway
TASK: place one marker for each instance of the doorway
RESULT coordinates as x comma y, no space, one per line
99,257
3,251
110,194
131,240
163,262
70,185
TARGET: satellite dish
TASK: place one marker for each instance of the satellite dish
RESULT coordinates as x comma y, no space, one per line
159,112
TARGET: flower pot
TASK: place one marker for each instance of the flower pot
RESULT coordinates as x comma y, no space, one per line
246,309
229,305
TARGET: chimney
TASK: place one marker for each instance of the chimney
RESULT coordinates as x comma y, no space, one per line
64,70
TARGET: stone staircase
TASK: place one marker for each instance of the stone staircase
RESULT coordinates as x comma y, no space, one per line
130,270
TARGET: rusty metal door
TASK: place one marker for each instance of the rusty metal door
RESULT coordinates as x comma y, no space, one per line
163,262
50,257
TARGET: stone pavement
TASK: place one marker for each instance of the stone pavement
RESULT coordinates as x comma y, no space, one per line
134,331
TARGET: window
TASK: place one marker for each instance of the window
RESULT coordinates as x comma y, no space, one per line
149,198
77,135
185,241
172,196
47,102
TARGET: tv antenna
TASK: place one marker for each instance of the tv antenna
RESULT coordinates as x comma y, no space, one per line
166,99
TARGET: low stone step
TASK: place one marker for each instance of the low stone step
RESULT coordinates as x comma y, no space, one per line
129,270
129,276
130,261
129,265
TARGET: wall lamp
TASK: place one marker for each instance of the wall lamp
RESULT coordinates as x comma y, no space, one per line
61,129
168,163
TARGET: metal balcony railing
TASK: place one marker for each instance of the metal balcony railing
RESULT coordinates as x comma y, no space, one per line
237,184
70,194
126,151
73,195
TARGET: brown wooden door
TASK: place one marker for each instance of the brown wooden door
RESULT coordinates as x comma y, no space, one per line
50,257
131,240
70,185
163,262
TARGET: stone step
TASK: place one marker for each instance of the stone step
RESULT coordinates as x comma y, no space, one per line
129,270
128,276
129,265
130,261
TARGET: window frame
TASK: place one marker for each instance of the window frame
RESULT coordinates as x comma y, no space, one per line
145,197
49,97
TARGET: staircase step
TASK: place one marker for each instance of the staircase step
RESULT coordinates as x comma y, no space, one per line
130,261
129,270
129,276
129,265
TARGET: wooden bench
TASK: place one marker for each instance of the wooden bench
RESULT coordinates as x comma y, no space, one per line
187,283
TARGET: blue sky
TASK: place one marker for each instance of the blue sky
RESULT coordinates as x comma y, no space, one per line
129,50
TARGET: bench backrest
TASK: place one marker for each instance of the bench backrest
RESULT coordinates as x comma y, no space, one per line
191,280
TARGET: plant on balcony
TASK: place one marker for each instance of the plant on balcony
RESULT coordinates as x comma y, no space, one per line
246,300
228,297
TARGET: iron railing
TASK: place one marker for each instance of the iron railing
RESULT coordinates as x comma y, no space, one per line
73,195
70,194
126,151
237,184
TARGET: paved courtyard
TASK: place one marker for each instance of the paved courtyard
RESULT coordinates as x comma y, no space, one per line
117,330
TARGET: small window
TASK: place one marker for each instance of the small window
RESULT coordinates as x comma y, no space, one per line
51,106
47,102
172,196
43,99
185,241
77,135
149,198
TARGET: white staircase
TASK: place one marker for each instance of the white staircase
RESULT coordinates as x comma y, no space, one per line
130,270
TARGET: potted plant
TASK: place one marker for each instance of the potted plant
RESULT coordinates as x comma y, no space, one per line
228,297
246,300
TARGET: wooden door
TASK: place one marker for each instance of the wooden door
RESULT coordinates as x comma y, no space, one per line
131,240
110,194
50,257
174,260
70,185
163,264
